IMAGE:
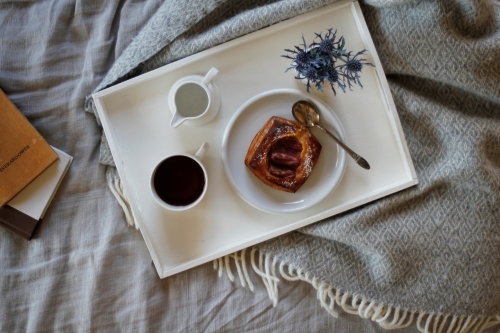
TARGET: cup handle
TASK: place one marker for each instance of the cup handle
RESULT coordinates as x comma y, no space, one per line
209,77
201,152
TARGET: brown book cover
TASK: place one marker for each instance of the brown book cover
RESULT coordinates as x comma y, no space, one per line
25,211
24,153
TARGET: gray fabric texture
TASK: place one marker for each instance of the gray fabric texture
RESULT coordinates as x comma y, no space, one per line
85,270
432,248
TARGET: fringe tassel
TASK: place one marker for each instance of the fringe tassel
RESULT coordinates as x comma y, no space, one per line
388,317
116,187
436,323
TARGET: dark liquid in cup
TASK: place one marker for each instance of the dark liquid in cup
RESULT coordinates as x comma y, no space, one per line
179,181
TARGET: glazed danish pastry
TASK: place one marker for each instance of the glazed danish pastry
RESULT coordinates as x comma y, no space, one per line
283,154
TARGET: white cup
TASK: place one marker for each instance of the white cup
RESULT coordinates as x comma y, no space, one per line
194,100
179,182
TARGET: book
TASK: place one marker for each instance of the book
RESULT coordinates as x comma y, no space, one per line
24,153
25,211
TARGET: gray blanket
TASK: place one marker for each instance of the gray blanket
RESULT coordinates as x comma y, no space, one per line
432,249
428,254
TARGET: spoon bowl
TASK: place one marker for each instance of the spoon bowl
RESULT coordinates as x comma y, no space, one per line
308,115
302,113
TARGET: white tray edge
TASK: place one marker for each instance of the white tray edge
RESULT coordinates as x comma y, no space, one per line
127,190
384,85
369,197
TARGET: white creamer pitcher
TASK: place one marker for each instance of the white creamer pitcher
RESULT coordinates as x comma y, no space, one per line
194,99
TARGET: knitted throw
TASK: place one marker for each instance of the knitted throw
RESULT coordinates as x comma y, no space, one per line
428,255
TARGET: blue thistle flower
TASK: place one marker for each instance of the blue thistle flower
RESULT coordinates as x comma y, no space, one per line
311,74
302,58
318,62
352,67
333,75
326,46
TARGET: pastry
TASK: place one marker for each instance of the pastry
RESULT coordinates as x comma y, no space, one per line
283,154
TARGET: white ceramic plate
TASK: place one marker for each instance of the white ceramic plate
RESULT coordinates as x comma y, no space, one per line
243,126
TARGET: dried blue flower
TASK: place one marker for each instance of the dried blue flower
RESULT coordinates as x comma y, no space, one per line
327,44
302,58
352,68
333,77
326,59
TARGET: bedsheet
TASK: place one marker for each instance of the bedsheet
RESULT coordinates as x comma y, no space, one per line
85,270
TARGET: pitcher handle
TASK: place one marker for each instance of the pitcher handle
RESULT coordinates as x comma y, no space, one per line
210,75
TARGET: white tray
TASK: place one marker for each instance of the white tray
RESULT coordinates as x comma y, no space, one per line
136,118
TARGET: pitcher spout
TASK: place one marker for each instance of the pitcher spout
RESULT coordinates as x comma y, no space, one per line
177,119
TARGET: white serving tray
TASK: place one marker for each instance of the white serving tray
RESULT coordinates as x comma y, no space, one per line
136,118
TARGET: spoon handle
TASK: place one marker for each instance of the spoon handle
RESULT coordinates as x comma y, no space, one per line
360,160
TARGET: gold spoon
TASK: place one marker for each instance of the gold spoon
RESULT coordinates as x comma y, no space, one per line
308,115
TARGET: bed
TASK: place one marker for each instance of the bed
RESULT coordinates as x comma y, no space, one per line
87,269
